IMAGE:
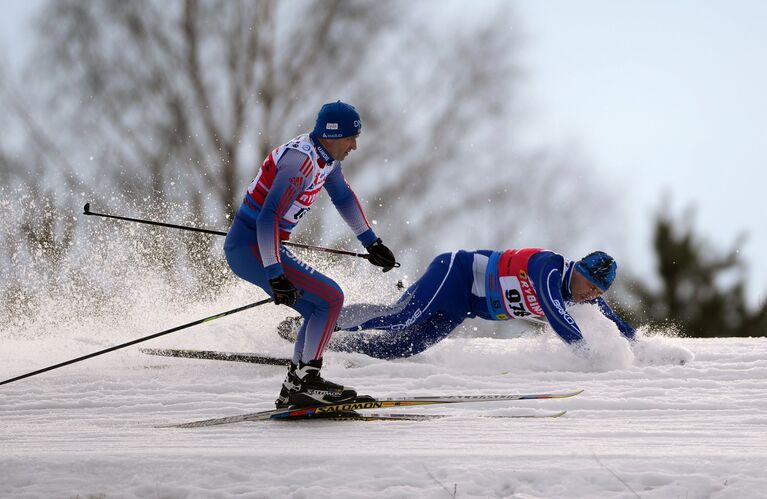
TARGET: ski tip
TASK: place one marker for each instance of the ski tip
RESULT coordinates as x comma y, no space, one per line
87,209
567,394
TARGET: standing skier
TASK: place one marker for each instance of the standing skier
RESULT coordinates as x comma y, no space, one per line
492,285
288,183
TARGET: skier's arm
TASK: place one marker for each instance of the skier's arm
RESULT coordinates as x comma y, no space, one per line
624,327
288,184
547,280
349,207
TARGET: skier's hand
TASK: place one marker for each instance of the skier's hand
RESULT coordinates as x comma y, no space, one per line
283,291
381,256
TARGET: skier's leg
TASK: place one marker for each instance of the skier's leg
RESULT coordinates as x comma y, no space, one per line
320,302
428,311
397,344
420,299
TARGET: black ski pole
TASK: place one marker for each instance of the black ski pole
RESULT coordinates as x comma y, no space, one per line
161,333
87,211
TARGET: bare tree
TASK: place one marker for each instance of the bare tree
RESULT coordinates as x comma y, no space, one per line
184,98
166,109
194,93
443,167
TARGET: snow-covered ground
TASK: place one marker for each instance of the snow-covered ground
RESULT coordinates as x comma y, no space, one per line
670,418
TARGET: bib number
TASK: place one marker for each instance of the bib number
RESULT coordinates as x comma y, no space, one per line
513,297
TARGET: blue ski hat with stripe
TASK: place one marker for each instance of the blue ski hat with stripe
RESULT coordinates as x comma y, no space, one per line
598,268
337,120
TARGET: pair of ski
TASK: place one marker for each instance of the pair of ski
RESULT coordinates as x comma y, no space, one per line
349,410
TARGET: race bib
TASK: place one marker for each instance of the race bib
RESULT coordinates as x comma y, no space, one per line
510,294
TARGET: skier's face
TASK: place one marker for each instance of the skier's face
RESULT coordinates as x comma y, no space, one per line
340,148
582,289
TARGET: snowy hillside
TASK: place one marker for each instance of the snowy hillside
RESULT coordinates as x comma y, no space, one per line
672,418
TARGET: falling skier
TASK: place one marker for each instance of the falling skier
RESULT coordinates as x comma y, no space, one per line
287,184
492,285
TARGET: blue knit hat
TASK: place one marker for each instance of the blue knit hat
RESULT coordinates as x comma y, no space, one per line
337,120
598,268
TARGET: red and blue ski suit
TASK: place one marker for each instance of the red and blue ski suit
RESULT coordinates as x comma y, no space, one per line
288,183
492,285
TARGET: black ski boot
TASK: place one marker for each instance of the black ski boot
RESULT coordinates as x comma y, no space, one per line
315,390
291,384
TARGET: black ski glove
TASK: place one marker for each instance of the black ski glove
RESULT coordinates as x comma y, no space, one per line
381,256
283,291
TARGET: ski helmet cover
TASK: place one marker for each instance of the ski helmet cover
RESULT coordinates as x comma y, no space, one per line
337,120
598,268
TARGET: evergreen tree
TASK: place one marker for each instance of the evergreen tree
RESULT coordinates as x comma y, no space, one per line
702,289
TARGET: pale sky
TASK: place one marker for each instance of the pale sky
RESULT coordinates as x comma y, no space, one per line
664,96
15,27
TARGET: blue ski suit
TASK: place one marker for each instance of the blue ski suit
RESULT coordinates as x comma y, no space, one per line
458,286
288,183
